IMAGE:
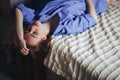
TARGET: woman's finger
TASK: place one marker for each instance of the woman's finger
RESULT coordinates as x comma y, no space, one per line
24,52
26,49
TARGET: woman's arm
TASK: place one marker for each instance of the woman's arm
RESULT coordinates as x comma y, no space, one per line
91,8
19,31
19,24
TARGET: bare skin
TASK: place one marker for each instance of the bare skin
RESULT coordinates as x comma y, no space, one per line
19,29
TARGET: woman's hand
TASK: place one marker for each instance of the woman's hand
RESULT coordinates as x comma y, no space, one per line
23,48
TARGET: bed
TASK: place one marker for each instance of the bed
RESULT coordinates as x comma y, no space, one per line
91,55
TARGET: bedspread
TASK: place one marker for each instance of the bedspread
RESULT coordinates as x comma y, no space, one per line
91,55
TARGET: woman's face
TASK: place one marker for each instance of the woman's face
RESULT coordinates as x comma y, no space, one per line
34,34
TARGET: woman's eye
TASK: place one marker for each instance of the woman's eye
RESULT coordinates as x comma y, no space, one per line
34,34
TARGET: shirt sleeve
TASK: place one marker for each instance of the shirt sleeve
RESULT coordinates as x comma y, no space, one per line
91,21
100,9
28,13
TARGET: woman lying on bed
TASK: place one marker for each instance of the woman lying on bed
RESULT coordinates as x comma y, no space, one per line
58,17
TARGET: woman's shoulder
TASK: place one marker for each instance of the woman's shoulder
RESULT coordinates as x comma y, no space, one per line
20,4
27,4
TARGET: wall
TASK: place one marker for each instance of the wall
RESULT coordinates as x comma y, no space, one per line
4,18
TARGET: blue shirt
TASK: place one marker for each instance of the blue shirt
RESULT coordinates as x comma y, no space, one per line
72,13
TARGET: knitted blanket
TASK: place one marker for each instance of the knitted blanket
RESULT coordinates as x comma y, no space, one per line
91,55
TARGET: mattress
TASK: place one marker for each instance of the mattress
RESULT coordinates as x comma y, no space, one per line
91,55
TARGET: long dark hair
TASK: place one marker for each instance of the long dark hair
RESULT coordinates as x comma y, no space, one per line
36,58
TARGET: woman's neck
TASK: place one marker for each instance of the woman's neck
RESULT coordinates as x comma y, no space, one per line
46,27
